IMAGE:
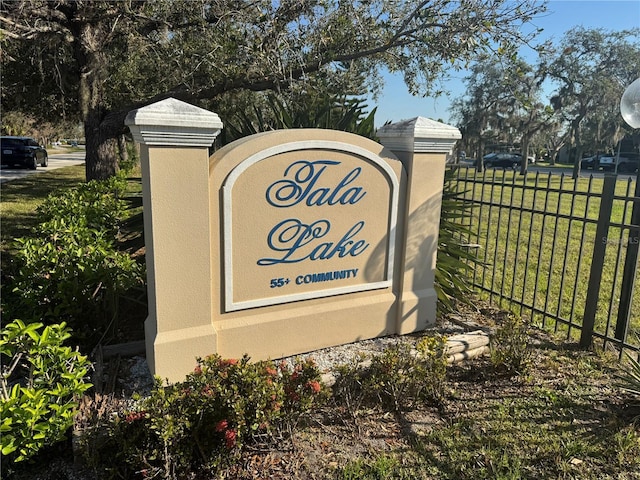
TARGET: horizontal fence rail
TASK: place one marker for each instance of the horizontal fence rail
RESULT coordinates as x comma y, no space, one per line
562,251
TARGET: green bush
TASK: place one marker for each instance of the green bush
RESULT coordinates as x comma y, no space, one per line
97,205
401,378
397,379
510,350
41,382
69,269
203,422
74,276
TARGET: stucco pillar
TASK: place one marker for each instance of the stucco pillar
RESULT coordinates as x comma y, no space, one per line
422,145
175,138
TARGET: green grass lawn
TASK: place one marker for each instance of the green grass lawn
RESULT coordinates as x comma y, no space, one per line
20,198
543,260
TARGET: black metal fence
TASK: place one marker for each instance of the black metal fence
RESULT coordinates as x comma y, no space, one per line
562,251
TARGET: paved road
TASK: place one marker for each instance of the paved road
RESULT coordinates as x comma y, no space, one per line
568,171
55,161
583,173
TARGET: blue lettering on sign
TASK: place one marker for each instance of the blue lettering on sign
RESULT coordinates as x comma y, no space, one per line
301,186
292,237
326,276
304,183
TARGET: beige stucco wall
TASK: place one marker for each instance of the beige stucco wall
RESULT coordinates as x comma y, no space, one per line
178,243
418,302
300,326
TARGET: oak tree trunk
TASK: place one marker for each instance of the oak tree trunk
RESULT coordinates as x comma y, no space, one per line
101,159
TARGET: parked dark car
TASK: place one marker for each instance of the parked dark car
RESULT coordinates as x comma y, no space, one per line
22,151
591,163
504,160
607,163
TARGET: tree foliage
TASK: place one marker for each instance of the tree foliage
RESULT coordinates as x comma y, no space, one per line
586,73
502,105
481,111
590,69
110,56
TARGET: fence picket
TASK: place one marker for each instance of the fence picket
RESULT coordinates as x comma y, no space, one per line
597,263
630,267
567,274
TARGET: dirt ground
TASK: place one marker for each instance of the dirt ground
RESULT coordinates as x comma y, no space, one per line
564,418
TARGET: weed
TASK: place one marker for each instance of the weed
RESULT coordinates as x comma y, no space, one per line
510,346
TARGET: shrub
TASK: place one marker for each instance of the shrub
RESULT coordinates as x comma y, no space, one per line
335,112
74,275
203,422
348,390
401,378
41,382
97,205
510,346
69,269
455,262
397,379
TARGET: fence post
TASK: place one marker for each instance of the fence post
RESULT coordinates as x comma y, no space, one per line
630,265
597,261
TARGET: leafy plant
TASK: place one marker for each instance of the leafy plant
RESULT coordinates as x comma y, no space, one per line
401,378
630,380
69,268
398,378
455,261
509,345
203,422
97,205
41,382
330,112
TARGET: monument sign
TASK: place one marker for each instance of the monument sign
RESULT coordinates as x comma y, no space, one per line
286,241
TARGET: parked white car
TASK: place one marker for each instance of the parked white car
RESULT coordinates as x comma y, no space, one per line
607,163
627,162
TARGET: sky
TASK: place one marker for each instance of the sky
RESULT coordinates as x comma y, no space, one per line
395,103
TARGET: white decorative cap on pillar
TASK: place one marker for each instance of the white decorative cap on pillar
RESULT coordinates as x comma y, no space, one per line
172,122
419,135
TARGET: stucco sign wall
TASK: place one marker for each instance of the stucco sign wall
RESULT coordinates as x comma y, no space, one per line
287,241
302,220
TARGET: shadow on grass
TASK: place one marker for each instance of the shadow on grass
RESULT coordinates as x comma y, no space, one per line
565,423
20,198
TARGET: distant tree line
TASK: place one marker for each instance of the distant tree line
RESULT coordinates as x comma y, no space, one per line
586,72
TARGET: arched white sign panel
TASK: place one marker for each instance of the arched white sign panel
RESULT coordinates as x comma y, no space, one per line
302,220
